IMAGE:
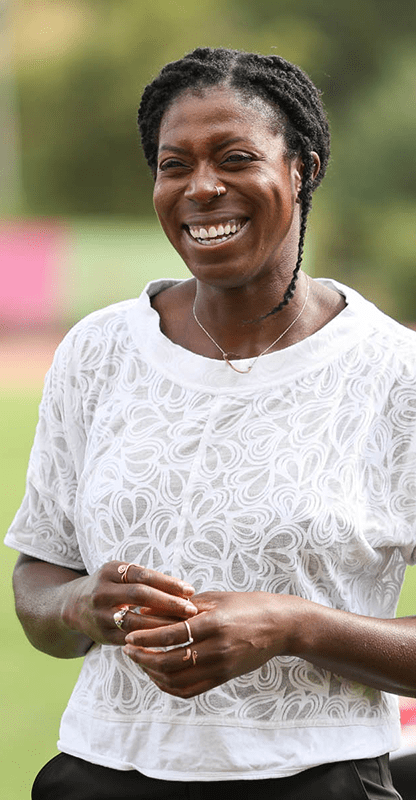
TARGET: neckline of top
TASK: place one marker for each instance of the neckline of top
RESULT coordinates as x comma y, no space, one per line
187,368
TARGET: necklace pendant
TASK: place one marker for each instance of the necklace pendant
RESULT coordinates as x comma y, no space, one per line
228,356
241,371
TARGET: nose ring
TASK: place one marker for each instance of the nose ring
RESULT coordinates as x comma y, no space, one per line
219,190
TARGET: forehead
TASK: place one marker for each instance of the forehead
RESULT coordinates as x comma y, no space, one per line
219,110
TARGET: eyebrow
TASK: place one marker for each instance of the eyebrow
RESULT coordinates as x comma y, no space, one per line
220,146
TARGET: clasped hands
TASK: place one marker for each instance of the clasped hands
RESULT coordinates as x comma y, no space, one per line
232,633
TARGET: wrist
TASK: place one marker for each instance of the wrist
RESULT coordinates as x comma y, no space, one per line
71,601
299,627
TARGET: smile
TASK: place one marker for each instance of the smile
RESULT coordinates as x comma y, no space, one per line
216,233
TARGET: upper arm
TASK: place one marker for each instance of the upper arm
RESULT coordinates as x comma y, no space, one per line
32,575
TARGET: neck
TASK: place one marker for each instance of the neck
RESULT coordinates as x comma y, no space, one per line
231,322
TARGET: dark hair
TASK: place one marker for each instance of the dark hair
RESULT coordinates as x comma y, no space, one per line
285,87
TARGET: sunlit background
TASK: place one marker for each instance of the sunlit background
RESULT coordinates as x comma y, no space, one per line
77,229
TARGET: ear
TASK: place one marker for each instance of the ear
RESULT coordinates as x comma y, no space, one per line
317,165
299,170
297,174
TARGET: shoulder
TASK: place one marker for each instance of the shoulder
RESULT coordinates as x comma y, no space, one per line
378,320
370,341
99,329
391,343
108,335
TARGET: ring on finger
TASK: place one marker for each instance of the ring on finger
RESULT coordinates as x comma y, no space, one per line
119,615
183,644
190,654
122,569
189,632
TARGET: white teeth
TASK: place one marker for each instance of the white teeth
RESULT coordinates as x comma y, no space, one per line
216,231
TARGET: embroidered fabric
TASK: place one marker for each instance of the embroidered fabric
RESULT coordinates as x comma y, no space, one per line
299,477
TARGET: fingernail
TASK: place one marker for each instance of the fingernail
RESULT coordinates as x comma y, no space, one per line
191,609
187,588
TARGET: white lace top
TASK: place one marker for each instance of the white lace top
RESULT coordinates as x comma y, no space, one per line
299,477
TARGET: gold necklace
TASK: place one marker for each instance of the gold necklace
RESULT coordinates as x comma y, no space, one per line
226,356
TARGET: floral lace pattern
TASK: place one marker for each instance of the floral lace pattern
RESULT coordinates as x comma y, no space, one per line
299,478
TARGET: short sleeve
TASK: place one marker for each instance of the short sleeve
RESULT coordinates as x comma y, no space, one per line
44,524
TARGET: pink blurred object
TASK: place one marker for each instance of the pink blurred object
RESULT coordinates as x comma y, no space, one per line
30,292
408,722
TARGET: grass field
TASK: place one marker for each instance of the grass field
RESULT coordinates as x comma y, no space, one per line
35,686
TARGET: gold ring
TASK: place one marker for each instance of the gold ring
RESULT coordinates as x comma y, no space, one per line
190,654
123,568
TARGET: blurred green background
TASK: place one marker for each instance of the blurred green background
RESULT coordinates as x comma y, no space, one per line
71,76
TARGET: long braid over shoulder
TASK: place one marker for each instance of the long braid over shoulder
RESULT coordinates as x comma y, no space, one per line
290,93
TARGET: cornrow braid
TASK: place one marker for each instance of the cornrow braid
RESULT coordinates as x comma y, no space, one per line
289,92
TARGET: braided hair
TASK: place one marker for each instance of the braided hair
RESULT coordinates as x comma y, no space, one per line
289,92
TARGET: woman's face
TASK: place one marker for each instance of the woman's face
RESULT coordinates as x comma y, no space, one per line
214,138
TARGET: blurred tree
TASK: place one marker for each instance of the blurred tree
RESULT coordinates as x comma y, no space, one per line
81,67
372,186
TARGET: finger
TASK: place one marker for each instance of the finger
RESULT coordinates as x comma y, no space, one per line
165,636
168,607
161,604
161,663
145,587
184,683
154,612
137,622
150,577
126,619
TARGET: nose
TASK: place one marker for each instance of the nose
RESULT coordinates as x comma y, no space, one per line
202,185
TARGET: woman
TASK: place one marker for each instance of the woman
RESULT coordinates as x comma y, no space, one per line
247,438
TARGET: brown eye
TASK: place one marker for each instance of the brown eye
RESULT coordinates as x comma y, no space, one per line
236,158
172,163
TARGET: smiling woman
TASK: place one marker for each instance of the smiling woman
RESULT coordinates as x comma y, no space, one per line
228,145
220,502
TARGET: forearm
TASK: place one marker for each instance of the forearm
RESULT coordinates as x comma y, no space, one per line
42,593
376,652
235,633
63,611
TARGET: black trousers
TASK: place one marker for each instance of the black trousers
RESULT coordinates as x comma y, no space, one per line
403,770
69,778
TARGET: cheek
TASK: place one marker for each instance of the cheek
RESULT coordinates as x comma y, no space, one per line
165,215
157,200
164,202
